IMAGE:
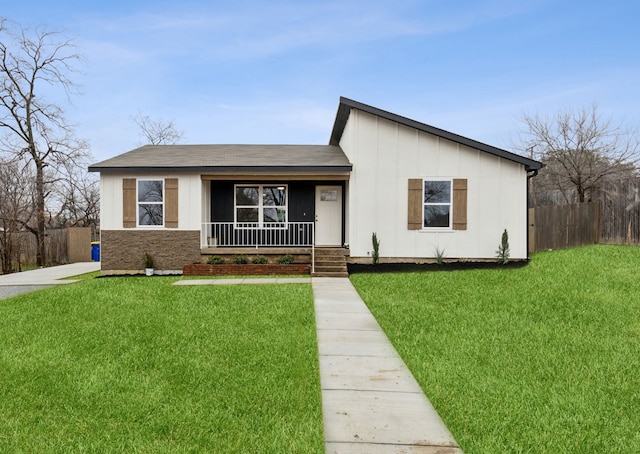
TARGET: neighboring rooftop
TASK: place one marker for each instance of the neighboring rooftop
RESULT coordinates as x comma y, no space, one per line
203,158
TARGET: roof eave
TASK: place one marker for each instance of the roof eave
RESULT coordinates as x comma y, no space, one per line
222,169
344,109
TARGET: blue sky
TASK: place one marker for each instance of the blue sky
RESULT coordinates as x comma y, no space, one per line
251,71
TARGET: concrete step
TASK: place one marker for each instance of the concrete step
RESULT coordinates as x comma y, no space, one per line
339,252
329,258
331,269
330,274
325,262
330,262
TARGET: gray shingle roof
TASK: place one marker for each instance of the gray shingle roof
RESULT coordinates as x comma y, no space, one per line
203,158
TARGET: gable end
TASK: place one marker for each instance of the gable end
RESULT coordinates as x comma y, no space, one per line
344,110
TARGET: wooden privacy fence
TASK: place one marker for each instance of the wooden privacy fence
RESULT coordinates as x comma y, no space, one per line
55,244
613,220
66,245
563,226
620,212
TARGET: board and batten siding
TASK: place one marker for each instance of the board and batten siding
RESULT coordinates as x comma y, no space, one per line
387,155
114,187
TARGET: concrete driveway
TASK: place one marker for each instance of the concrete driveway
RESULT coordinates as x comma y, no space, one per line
28,281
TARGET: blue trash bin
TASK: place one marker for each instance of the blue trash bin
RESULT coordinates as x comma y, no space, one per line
95,251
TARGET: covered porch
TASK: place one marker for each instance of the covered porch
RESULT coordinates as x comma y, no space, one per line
273,212
276,216
276,200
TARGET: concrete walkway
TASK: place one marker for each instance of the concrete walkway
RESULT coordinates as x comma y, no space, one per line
28,281
371,404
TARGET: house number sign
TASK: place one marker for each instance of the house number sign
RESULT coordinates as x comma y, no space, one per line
329,196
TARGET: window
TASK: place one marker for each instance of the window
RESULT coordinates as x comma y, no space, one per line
262,206
437,204
150,203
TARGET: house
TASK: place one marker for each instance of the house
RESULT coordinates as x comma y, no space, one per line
424,191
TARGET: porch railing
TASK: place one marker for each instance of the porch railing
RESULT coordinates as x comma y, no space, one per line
277,234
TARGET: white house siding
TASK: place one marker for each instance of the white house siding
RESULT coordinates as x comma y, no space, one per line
385,155
189,199
205,210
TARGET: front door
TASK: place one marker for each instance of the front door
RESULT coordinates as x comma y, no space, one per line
329,215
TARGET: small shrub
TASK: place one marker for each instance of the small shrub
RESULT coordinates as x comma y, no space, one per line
439,255
376,248
240,259
259,260
286,259
215,260
148,260
503,252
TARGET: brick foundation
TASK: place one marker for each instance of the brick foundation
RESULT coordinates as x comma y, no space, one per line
121,251
300,255
232,269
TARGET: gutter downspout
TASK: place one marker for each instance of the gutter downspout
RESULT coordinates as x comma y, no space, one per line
529,177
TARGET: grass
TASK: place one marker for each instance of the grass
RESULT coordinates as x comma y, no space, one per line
83,277
138,365
543,358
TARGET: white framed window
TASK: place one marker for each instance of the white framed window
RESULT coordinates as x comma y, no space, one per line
437,204
150,203
260,205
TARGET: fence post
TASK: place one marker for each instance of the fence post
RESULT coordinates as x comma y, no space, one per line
597,222
532,230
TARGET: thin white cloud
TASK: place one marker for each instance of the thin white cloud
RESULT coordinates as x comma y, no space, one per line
267,29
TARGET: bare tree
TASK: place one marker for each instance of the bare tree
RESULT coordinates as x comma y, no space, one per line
581,149
35,63
16,209
158,131
75,199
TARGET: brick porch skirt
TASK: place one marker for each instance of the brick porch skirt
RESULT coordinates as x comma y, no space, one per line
232,269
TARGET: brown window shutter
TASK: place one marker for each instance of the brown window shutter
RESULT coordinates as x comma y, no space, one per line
171,203
129,203
414,221
459,204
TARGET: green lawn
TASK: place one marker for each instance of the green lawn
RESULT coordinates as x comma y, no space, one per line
138,365
544,358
